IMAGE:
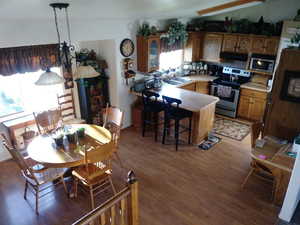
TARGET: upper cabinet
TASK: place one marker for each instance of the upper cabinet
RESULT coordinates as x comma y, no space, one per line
191,51
211,47
229,43
236,43
148,50
244,44
264,45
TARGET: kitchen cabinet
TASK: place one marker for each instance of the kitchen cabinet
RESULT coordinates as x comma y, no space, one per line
191,51
202,87
252,104
190,87
229,43
211,47
148,51
264,45
236,43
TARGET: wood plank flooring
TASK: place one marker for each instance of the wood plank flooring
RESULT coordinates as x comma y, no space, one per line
188,187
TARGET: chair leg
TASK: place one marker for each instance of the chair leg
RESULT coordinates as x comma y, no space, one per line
144,118
75,187
247,177
25,191
155,118
65,186
37,200
112,185
176,133
190,129
92,197
165,130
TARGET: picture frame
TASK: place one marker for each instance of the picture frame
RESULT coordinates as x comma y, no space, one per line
290,90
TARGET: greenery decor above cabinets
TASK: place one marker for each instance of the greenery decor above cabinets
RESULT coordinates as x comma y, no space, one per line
148,51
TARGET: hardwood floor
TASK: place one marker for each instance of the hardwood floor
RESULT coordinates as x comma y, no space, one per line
188,187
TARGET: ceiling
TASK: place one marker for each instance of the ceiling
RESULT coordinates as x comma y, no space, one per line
111,9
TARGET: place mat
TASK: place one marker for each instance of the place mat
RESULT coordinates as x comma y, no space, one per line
232,129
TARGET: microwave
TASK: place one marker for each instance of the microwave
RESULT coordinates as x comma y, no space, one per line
262,63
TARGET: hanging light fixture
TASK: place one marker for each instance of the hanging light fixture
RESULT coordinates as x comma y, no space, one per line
85,71
65,57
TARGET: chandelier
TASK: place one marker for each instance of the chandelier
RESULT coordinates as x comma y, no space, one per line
65,49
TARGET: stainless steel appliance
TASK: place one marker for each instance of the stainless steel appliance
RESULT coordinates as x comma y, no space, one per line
262,63
227,88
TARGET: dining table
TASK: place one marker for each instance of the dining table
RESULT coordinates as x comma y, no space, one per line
277,158
44,150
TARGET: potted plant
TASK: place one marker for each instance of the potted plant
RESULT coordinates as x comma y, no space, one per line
71,137
58,139
177,32
80,132
296,39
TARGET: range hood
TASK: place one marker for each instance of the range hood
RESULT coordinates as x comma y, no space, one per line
234,56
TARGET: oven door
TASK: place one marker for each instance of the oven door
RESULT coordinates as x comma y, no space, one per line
262,65
226,106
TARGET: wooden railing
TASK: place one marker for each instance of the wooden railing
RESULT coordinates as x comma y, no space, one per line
121,209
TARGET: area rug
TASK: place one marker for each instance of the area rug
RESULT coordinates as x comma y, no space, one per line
232,129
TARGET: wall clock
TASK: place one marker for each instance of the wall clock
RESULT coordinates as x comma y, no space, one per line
127,47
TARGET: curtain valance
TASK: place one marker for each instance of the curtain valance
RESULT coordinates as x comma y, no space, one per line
28,58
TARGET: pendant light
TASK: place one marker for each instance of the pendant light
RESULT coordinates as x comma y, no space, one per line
65,58
85,71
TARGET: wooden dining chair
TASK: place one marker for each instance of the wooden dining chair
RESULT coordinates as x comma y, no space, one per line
47,121
95,174
37,177
257,167
113,121
68,113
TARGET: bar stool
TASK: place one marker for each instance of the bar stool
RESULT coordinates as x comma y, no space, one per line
151,108
173,112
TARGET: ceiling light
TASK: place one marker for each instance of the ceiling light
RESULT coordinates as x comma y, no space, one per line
49,78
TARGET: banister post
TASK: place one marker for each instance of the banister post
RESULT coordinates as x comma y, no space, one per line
134,204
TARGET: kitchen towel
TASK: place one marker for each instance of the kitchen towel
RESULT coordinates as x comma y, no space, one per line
224,91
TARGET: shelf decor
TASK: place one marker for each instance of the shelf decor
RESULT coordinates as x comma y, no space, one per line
175,38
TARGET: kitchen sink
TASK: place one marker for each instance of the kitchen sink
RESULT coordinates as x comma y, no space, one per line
176,80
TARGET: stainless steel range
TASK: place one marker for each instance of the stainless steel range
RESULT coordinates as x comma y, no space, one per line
227,88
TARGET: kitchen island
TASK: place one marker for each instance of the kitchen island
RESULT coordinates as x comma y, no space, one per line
202,105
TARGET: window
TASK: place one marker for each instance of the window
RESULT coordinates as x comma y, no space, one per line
18,93
172,59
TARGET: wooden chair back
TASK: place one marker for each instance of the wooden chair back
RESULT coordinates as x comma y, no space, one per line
256,131
100,157
121,209
66,104
113,120
18,158
47,121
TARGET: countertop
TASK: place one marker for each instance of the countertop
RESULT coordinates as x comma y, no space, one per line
207,78
191,100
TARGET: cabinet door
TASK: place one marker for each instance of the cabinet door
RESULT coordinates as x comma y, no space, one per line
244,44
244,107
257,109
153,54
229,43
258,45
191,51
271,45
202,87
212,44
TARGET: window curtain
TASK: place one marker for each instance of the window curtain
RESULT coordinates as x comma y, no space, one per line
28,58
166,47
